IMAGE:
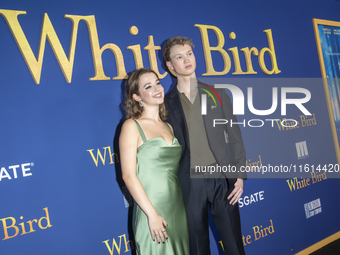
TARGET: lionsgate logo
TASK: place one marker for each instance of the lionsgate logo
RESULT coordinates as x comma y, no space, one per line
301,150
290,97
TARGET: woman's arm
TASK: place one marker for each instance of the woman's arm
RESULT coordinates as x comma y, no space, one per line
128,143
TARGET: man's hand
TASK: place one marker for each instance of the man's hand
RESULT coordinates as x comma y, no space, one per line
237,191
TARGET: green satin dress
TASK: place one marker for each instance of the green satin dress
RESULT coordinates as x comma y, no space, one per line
157,169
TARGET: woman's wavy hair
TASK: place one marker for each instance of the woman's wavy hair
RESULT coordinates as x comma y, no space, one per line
131,106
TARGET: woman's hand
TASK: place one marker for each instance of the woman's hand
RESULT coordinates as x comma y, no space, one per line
157,226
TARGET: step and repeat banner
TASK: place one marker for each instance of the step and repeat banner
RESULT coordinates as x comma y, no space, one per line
63,65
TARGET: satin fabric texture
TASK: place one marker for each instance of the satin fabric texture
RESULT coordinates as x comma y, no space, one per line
157,170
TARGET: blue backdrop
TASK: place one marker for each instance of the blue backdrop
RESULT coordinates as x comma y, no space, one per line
60,115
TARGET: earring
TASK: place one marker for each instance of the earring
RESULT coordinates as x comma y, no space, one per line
141,104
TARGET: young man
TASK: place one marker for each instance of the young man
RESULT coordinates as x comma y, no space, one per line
204,145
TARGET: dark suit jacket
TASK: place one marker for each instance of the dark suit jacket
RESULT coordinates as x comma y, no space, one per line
215,135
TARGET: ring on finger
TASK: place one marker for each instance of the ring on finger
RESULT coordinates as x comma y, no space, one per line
163,230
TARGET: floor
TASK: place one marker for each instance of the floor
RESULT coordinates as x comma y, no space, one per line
330,249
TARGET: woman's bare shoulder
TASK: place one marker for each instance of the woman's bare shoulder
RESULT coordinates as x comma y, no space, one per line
129,128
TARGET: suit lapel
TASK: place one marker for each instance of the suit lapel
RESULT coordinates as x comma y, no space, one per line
176,107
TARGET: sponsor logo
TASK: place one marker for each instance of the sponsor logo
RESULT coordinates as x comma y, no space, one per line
66,62
259,233
118,247
295,184
253,166
301,149
102,156
290,124
313,208
16,171
253,198
12,230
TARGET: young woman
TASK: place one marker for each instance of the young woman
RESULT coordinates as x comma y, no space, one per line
150,157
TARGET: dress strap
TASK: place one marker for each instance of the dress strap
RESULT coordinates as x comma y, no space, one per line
140,131
169,128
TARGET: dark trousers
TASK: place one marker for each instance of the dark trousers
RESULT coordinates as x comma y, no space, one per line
212,193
